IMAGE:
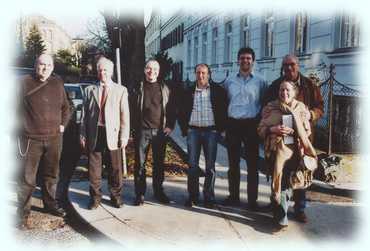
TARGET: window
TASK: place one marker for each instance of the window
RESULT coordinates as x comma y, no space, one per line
245,31
228,41
204,47
214,46
349,32
196,45
268,35
188,59
301,23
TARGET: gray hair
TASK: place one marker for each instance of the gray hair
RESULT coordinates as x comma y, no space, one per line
106,62
290,56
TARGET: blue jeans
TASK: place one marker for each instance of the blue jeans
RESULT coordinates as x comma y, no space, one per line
206,139
143,140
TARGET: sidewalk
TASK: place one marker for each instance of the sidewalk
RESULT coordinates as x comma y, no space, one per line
175,226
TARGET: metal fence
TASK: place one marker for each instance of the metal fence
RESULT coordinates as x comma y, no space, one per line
339,129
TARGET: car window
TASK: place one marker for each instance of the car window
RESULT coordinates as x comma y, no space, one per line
76,90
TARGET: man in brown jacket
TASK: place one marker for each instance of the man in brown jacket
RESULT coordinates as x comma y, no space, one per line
44,112
308,93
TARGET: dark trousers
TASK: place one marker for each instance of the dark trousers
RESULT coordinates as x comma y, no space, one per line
157,139
238,132
113,162
34,153
207,139
70,156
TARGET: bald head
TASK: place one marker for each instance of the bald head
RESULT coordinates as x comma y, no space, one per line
44,67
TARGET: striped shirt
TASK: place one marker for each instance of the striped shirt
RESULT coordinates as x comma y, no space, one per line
202,113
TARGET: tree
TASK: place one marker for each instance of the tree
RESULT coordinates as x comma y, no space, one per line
165,63
34,46
130,30
66,57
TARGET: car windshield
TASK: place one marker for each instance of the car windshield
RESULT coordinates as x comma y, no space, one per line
76,90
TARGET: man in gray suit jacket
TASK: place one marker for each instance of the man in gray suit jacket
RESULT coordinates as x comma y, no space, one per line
104,130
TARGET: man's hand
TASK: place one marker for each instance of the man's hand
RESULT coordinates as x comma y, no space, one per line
83,142
167,131
61,128
281,130
121,143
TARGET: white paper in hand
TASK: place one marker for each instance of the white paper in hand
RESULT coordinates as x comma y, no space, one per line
288,122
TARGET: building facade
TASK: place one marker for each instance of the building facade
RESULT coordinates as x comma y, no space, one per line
318,41
55,38
172,37
152,35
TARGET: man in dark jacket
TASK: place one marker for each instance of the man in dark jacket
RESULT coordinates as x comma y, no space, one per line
308,93
44,115
153,119
202,116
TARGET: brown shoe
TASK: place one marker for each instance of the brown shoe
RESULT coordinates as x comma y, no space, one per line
301,217
25,223
94,203
139,200
116,202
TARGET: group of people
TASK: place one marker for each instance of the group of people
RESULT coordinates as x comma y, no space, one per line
244,106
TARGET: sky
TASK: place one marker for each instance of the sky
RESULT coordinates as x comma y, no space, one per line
75,23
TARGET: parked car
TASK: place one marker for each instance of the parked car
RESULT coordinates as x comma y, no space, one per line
76,94
19,71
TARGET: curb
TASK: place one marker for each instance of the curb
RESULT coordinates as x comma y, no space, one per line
323,187
77,222
317,185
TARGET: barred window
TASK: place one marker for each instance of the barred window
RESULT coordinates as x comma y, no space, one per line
228,41
301,33
204,47
196,46
188,59
269,35
214,45
245,31
350,31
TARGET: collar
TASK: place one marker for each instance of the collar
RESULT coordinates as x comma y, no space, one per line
201,89
108,84
239,75
298,81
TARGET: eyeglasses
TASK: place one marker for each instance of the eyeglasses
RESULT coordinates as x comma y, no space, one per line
291,65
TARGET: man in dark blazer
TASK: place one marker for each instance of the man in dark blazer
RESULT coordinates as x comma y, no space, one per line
153,119
105,127
202,117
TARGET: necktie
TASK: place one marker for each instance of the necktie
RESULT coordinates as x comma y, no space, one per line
102,103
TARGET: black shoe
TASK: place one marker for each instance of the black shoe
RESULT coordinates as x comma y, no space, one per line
56,211
300,217
191,203
94,203
231,201
162,198
116,202
139,200
253,206
209,204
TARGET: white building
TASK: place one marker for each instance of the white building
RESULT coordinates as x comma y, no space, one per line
152,35
318,41
55,38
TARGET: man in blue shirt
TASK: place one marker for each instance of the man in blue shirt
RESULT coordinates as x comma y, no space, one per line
245,92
